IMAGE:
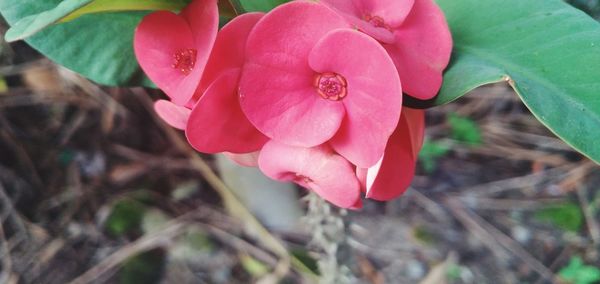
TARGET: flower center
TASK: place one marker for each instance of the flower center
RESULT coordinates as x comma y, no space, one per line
331,86
376,21
184,60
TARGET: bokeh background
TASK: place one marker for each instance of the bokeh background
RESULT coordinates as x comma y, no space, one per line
94,188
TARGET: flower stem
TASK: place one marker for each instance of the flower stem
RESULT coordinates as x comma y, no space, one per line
330,235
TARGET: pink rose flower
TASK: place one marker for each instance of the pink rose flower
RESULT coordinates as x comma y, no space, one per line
415,34
308,79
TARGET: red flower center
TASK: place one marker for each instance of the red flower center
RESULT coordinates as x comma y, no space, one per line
184,60
377,22
331,86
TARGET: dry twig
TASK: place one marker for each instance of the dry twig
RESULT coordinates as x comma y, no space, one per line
497,240
590,219
233,205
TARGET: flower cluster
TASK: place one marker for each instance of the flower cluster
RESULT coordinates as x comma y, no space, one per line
310,92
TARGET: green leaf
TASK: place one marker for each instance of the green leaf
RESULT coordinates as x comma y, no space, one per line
3,85
547,50
101,6
126,216
68,10
591,7
302,256
429,154
566,216
147,267
454,272
30,25
465,129
98,46
243,6
579,273
424,235
253,266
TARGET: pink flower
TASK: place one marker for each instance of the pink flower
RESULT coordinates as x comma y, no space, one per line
309,79
415,34
217,123
319,169
212,116
173,49
301,93
393,174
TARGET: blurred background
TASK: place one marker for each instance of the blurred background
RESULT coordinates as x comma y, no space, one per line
94,188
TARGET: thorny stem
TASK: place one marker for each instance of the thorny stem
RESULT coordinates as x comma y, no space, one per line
329,233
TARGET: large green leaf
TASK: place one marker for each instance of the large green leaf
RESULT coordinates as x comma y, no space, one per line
98,46
98,6
548,51
71,9
32,24
243,6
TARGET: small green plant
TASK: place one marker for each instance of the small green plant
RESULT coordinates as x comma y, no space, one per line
453,272
465,129
308,261
566,216
146,267
576,272
424,235
429,154
125,217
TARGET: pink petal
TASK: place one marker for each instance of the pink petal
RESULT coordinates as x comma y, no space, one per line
318,169
158,37
361,175
376,18
393,12
203,18
381,34
422,50
276,89
288,108
217,123
291,29
357,206
245,160
349,8
415,119
162,35
353,12
394,173
374,99
230,48
174,115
